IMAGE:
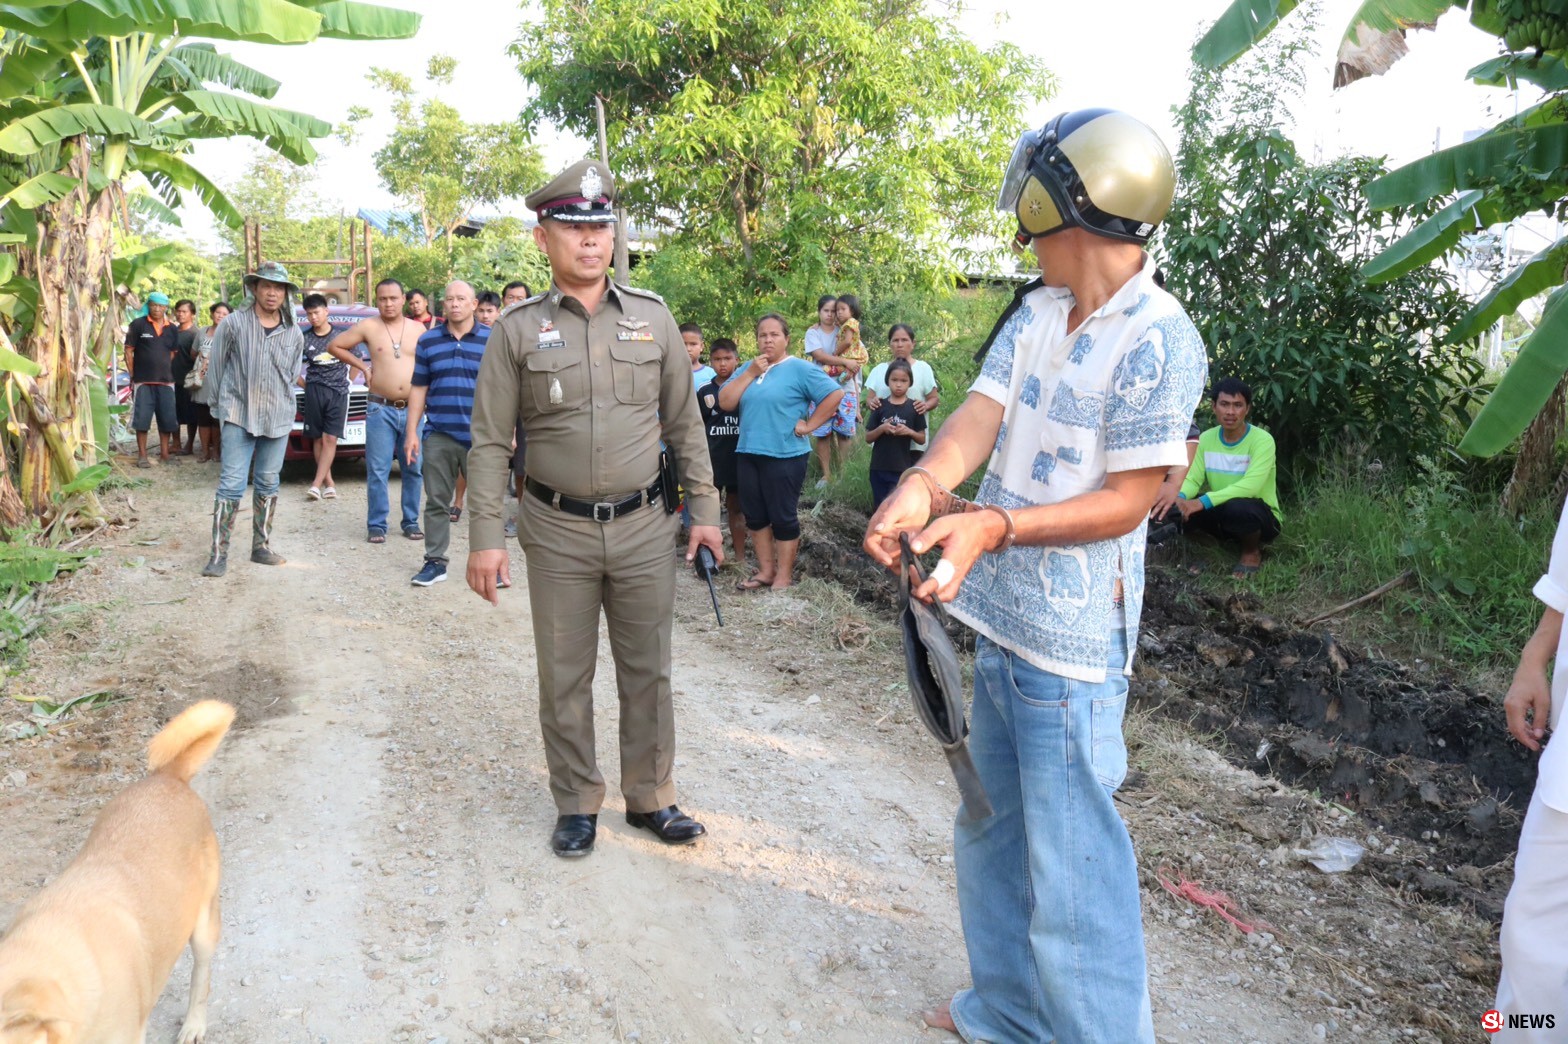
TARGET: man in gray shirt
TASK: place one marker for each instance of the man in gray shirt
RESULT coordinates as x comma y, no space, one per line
255,360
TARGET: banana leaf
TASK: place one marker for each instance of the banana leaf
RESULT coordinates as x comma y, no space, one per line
38,190
259,21
1541,272
1241,25
1547,72
203,64
98,405
1430,239
1529,382
1493,155
182,175
33,134
347,20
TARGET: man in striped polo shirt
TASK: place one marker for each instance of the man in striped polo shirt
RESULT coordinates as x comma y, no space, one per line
446,370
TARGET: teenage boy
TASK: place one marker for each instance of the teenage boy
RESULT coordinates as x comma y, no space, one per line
691,337
419,309
150,344
1231,490
489,308
723,430
325,381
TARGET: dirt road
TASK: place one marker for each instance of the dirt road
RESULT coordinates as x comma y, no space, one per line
383,812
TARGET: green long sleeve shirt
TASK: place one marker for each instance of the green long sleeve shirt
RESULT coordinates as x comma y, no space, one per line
1227,470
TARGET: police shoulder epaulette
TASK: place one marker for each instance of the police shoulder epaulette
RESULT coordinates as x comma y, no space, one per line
526,301
643,293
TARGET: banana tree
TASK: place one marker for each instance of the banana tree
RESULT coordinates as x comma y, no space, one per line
1517,167
93,92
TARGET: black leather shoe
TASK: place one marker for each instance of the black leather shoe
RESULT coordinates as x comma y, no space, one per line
672,826
574,835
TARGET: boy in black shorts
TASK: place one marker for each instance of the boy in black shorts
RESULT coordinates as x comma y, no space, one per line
326,395
723,435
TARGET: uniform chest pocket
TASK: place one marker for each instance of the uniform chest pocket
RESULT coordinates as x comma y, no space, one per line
556,380
635,367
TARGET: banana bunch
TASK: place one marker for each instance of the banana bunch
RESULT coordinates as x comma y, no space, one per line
1538,25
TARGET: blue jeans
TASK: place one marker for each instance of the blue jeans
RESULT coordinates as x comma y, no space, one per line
241,450
385,429
1048,887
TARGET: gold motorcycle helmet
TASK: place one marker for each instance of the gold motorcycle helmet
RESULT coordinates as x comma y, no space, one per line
1095,169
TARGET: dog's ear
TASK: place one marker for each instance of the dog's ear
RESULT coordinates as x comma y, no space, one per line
35,1011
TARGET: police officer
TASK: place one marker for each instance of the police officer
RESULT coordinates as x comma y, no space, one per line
599,376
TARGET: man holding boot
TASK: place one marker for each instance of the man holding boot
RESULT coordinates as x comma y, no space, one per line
255,360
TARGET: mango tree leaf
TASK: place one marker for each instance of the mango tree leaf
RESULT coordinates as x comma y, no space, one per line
1493,155
206,65
1541,272
1242,24
1547,72
1529,382
347,20
1430,239
260,21
32,134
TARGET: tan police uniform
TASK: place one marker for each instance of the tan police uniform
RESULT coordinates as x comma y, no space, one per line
596,394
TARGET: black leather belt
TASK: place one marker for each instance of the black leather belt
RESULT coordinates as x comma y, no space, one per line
600,511
396,404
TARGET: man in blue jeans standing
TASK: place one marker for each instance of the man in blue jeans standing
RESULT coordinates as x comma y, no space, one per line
389,339
255,360
1082,406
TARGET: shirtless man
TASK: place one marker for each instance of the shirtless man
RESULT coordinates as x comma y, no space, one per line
389,373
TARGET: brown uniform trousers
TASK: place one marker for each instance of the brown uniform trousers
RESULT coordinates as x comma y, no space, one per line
596,395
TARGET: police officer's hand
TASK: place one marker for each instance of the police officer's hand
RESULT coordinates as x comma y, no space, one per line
485,566
906,510
706,536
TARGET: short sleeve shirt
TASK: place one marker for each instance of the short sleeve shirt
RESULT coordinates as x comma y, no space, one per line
772,404
448,365
895,452
924,383
1117,394
1552,782
321,366
152,351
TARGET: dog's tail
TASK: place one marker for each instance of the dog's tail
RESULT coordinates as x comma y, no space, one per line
185,744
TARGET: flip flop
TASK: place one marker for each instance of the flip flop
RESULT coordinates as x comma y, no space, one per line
454,515
376,537
330,493
414,534
144,463
313,493
751,584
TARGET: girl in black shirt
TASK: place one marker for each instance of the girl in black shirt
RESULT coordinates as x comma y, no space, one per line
894,429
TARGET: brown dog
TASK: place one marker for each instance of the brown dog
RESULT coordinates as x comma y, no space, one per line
85,961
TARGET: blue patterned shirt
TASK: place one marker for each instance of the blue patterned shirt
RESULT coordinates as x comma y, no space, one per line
1117,394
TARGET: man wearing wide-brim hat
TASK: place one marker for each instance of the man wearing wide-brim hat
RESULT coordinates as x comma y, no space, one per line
600,378
255,361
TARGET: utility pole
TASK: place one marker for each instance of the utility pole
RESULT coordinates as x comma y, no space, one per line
622,257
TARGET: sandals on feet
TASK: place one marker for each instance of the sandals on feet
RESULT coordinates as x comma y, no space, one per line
414,533
376,537
454,515
330,493
313,493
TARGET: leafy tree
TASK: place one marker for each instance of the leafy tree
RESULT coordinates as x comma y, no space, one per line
91,93
1519,166
439,164
1266,250
782,148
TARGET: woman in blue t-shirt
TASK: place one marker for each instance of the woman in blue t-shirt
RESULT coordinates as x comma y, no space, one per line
774,394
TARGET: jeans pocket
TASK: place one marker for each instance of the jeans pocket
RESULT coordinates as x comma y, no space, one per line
1035,687
1109,749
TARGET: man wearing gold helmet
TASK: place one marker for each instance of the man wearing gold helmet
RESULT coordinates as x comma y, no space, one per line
1090,379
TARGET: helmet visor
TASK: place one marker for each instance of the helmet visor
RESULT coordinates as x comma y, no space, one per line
1038,213
1017,171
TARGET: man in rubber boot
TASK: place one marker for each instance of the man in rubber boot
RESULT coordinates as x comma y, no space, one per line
255,361
1082,406
599,375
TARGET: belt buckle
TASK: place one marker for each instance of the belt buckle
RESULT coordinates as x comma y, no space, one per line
609,512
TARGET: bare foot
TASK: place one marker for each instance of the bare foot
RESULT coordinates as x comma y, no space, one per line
778,585
941,1017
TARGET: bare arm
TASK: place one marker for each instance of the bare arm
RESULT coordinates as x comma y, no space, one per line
819,416
416,413
343,345
729,395
1528,705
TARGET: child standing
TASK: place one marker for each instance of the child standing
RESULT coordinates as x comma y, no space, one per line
723,428
894,429
691,337
844,363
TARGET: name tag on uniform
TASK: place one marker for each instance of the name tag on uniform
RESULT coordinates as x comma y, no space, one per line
633,335
552,339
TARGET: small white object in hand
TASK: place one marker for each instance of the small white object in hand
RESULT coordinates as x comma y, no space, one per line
943,573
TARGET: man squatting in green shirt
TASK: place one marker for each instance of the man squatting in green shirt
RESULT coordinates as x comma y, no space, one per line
1230,490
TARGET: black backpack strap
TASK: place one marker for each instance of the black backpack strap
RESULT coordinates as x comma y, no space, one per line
1007,313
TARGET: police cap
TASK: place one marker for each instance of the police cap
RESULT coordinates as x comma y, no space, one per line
582,193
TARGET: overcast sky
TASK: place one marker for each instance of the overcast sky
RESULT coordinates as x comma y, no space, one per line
1125,54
